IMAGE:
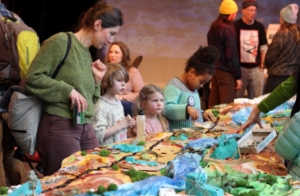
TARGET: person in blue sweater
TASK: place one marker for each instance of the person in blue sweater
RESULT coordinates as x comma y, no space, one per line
181,97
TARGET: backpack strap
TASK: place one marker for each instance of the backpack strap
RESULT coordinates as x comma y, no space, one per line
12,18
63,61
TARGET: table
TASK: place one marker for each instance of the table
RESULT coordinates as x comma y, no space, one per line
82,173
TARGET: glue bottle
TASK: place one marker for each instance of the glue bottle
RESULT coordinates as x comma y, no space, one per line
140,122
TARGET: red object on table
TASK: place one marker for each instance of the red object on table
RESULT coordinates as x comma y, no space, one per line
34,158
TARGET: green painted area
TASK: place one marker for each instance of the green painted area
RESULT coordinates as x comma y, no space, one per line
115,167
203,164
70,160
141,143
163,172
137,175
117,157
279,128
3,190
112,187
238,183
104,153
215,112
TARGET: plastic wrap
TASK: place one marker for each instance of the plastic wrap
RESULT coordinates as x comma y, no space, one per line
180,167
226,137
194,156
201,143
242,115
149,186
283,107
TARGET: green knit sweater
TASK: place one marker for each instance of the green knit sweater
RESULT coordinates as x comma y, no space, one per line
281,94
75,73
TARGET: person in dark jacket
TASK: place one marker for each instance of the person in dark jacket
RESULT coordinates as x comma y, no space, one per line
227,76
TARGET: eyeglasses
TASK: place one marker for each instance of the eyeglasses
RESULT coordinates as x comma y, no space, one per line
252,10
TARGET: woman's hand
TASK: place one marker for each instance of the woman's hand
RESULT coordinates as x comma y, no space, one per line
208,116
99,70
77,98
253,118
194,114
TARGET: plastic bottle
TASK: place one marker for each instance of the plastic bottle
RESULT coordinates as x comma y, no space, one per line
140,122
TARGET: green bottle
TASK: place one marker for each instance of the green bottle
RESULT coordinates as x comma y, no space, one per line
78,117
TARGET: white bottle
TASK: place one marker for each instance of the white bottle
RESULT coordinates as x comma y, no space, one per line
140,123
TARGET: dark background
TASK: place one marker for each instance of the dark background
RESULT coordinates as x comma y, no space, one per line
48,17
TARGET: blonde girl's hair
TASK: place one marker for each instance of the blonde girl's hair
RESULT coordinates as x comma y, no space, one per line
144,96
113,71
293,28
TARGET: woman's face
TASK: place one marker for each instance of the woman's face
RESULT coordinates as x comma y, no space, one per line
115,54
103,36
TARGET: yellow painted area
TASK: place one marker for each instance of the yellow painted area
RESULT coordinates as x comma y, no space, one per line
84,159
262,158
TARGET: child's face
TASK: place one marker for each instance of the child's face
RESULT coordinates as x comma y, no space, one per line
154,105
196,82
119,86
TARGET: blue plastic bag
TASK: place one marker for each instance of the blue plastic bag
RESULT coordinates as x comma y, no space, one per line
179,168
148,186
242,115
201,143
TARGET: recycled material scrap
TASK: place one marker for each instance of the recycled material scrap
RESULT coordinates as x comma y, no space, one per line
142,162
227,150
129,148
179,137
201,143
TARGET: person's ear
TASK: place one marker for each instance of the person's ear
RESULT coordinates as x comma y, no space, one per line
97,25
191,72
143,105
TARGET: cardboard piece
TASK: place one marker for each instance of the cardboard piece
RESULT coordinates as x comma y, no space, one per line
139,167
264,136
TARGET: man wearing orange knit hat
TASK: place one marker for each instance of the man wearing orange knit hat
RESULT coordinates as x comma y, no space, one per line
222,35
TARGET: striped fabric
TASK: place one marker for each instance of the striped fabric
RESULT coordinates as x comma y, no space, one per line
283,56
